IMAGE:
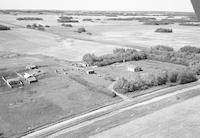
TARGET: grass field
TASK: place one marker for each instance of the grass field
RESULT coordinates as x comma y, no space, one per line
148,66
54,97
179,120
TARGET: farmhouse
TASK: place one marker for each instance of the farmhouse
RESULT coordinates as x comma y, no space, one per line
29,78
134,68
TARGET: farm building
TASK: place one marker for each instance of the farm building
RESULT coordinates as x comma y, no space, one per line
82,64
13,83
90,72
134,68
31,67
29,78
35,72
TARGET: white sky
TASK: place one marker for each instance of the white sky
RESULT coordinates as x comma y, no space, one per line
127,5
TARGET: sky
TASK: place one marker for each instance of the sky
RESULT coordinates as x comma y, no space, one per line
119,5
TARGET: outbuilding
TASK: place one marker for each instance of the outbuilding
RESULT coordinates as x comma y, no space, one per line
134,68
13,83
29,78
31,67
90,72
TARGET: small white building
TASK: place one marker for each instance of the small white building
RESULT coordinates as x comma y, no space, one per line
31,67
133,68
29,78
82,64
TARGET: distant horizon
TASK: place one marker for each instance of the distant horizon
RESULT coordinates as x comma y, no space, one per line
95,10
99,5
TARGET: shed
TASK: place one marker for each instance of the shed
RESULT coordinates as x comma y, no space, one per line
83,64
90,72
31,67
13,83
134,68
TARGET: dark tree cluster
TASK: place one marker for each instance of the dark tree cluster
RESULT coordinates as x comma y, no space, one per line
119,55
66,25
64,19
163,30
185,56
29,18
3,27
142,82
36,27
188,56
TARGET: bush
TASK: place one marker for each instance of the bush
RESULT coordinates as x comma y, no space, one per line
119,50
81,30
172,76
160,78
186,76
180,57
41,28
145,81
118,56
149,79
2,27
37,27
28,18
89,20
122,86
155,22
163,48
190,49
66,25
47,26
138,83
195,68
65,19
28,26
164,30
89,59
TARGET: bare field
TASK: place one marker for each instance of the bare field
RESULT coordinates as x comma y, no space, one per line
30,41
105,36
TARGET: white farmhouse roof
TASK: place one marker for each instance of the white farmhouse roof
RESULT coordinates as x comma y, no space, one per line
26,75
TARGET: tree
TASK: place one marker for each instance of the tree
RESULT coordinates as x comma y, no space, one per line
81,30
172,76
89,59
190,49
186,76
122,86
119,50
